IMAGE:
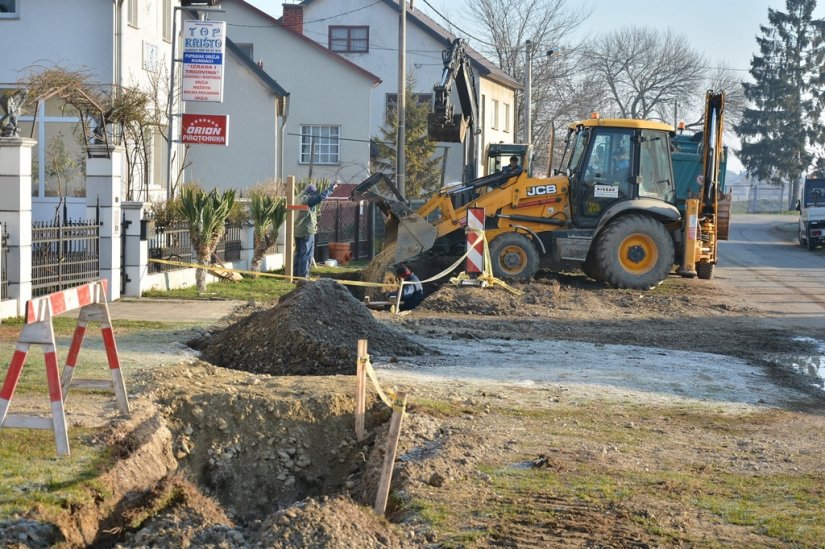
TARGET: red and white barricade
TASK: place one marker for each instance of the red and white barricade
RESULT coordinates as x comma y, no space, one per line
474,265
91,299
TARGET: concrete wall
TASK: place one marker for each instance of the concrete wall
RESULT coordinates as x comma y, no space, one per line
323,91
73,35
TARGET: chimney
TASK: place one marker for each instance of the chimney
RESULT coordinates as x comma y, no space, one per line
293,17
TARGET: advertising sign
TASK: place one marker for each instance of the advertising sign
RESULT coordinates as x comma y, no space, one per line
205,129
204,45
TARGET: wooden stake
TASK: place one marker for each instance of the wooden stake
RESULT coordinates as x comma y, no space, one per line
360,389
289,233
389,457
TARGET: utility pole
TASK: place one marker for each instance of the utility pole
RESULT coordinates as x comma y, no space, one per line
528,94
401,104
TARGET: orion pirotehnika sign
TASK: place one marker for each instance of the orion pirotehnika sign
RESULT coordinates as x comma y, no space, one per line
205,129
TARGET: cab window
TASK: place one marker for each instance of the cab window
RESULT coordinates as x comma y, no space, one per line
655,178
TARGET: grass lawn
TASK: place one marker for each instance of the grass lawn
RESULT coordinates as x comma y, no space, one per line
263,288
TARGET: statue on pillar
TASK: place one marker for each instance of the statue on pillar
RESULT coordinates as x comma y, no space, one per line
11,102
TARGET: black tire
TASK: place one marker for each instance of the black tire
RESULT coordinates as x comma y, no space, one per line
591,269
704,270
635,251
514,257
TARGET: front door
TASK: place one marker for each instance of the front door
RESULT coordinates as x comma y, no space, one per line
607,172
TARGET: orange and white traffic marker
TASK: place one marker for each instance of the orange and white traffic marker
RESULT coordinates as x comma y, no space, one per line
39,330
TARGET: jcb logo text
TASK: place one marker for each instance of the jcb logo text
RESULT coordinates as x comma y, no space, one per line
541,190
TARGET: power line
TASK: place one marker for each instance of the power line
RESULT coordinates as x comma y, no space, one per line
457,27
271,25
338,138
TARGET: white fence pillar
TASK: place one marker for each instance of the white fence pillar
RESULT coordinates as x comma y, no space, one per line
103,171
247,246
16,213
136,247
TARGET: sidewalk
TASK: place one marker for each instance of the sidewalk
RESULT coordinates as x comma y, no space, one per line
169,310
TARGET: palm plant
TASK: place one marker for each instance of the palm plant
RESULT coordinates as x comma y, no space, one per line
205,213
267,214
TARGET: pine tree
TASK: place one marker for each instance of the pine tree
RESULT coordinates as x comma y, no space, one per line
423,173
781,125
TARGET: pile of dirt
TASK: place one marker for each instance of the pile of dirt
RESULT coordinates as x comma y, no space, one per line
534,300
332,523
313,330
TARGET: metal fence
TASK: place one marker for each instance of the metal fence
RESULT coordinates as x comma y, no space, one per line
4,257
760,199
345,221
64,254
172,243
229,247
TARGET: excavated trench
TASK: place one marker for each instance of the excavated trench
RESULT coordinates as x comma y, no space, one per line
268,445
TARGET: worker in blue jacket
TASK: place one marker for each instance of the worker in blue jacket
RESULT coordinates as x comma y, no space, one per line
412,294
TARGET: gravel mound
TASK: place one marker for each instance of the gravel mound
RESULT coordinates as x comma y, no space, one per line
313,330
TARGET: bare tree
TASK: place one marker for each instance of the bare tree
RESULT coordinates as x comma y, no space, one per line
645,71
558,95
690,109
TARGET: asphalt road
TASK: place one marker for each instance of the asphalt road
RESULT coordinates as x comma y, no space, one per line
764,261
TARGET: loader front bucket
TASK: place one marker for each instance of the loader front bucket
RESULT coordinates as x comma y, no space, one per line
409,232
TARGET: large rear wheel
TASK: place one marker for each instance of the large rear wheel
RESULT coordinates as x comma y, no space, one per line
514,257
635,251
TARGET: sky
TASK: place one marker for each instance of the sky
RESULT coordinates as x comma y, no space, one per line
724,30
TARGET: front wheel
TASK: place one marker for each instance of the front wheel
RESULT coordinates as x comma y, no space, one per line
514,257
704,270
635,252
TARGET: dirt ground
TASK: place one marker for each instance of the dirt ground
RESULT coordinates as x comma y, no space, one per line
497,460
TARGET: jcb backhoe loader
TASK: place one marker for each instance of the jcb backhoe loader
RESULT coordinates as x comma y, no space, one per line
609,208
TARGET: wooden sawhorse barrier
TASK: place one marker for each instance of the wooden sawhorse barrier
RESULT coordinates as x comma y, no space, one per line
38,330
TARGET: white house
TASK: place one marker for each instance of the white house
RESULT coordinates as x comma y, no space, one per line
257,106
115,43
327,127
366,32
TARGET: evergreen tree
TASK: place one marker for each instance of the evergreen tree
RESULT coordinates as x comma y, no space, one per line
422,170
781,125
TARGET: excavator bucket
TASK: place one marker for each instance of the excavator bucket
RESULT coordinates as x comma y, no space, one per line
410,232
441,130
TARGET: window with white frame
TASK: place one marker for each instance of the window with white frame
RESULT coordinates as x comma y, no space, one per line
166,19
9,9
349,39
132,12
506,127
494,122
320,144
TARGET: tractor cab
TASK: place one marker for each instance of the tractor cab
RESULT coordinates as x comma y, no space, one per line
614,160
498,156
